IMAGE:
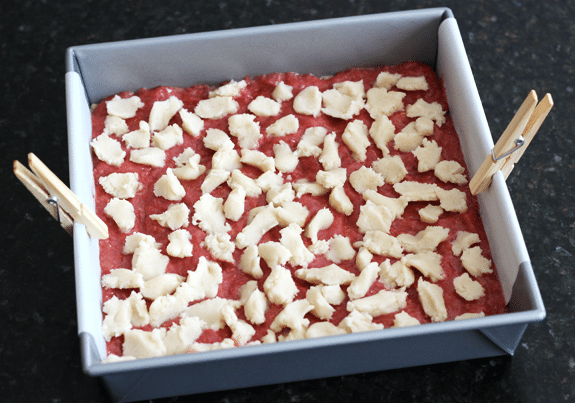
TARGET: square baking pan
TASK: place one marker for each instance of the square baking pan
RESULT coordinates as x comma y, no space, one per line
319,47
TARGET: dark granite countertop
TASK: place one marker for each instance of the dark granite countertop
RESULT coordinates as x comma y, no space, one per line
513,47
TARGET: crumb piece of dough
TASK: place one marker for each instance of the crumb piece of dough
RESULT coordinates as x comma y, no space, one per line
468,288
431,297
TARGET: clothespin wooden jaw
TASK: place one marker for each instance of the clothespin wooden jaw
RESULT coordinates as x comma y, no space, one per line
513,142
57,198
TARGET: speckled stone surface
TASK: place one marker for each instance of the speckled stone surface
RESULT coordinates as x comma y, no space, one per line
513,47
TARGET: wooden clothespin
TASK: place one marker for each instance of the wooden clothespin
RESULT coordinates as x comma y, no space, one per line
513,142
57,198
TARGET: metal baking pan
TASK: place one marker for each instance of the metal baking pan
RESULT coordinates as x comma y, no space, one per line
319,47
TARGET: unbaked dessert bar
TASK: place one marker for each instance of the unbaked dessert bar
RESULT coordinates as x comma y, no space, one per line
283,207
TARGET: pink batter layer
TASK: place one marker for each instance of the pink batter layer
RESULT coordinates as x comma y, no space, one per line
145,203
